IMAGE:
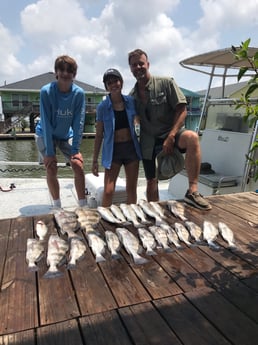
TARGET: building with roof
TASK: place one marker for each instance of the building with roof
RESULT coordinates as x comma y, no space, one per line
20,101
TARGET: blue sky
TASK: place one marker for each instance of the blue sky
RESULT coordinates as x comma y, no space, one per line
100,33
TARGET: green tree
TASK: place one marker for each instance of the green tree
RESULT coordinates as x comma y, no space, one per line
251,108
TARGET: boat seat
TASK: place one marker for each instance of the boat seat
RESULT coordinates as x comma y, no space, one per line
226,152
216,180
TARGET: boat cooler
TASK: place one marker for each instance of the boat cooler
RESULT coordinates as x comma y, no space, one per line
95,187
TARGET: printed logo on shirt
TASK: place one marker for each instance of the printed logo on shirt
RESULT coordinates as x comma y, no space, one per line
64,112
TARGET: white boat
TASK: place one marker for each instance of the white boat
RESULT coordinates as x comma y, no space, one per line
224,136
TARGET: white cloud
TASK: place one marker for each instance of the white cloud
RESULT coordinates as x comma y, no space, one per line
100,33
222,14
8,48
55,18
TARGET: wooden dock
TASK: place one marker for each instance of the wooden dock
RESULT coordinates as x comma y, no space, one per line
192,296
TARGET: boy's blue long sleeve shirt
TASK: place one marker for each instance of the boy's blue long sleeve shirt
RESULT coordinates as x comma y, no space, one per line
62,116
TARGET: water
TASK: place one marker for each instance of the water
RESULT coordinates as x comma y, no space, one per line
26,151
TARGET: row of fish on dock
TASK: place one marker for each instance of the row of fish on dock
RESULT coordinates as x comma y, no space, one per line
153,232
182,230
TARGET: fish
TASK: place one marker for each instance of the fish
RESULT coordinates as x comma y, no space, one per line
66,229
88,218
131,245
41,230
160,235
148,241
172,235
182,233
195,231
67,221
177,209
140,214
77,252
227,234
87,215
130,214
160,210
34,253
107,215
210,233
98,245
56,255
113,244
117,212
150,211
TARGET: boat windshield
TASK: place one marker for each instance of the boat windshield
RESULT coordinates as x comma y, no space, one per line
222,115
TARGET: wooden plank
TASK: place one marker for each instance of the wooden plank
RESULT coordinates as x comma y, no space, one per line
63,333
56,296
56,299
155,280
207,267
92,291
224,281
230,260
5,226
191,327
151,277
252,282
228,319
145,325
181,272
104,329
240,262
243,297
240,227
18,285
124,284
242,198
20,338
245,238
247,200
243,205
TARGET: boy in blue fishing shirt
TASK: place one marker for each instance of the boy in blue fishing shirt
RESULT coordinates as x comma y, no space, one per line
62,117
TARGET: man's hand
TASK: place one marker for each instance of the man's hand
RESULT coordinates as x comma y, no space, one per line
168,145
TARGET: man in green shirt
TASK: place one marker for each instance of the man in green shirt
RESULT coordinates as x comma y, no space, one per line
161,106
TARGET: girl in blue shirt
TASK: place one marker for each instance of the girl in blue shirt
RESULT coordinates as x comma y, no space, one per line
115,129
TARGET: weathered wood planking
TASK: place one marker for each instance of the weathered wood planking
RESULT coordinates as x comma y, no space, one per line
227,318
18,298
191,296
188,322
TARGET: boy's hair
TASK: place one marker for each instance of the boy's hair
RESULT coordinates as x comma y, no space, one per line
136,52
65,61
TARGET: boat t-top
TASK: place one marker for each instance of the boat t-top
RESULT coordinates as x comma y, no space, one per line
225,137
